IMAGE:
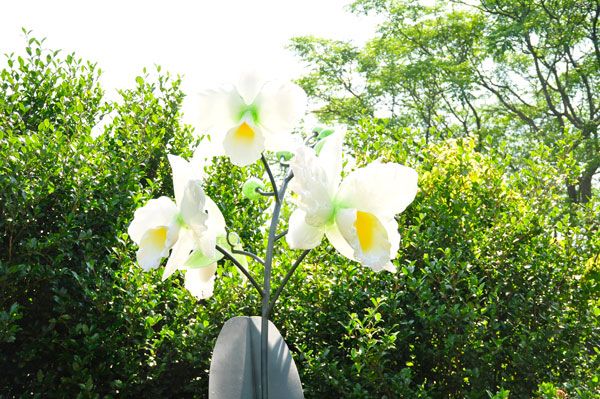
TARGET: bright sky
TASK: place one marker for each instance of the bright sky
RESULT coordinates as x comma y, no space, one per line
208,42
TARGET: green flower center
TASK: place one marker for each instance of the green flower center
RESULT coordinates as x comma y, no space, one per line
179,220
249,112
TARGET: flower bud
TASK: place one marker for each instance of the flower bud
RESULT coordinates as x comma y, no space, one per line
249,188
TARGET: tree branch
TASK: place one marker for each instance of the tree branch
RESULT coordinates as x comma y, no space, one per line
504,101
595,32
585,80
543,81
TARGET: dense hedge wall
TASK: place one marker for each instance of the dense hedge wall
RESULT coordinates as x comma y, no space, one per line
497,287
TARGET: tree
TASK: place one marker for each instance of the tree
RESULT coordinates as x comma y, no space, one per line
415,72
525,71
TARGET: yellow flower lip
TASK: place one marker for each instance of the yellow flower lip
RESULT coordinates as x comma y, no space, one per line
158,237
365,225
244,132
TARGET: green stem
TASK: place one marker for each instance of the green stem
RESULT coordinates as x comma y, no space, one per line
242,269
266,307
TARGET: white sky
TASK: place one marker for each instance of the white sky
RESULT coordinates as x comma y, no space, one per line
208,42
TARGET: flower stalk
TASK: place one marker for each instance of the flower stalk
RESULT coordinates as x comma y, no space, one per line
266,308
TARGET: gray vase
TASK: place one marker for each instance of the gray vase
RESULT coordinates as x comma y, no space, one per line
235,365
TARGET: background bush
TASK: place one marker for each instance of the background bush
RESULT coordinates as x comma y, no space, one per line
496,290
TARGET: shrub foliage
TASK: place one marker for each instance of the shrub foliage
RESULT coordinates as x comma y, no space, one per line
497,288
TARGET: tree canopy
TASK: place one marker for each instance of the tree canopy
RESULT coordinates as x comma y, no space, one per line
522,71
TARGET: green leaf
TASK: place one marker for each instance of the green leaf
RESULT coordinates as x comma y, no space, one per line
319,146
286,155
198,260
325,133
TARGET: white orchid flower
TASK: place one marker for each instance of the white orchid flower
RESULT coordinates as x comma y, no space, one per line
356,214
252,116
187,225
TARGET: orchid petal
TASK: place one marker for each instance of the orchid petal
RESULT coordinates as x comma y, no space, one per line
381,189
311,183
192,205
302,235
391,227
207,241
244,143
331,158
183,172
280,106
367,236
152,248
249,85
338,241
200,282
390,267
282,142
181,252
216,221
156,212
219,109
